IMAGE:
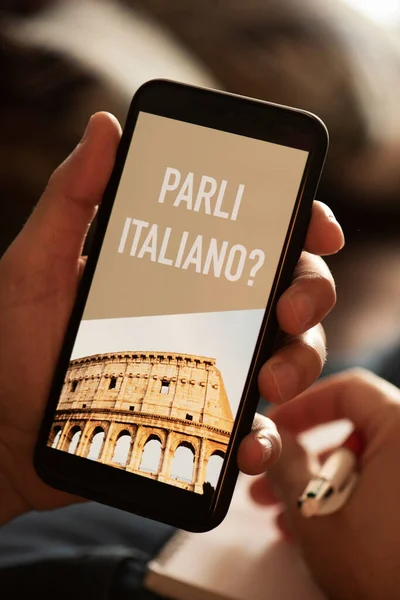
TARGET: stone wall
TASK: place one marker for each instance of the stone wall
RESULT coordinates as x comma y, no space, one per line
179,400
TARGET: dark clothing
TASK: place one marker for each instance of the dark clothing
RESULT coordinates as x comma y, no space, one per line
83,551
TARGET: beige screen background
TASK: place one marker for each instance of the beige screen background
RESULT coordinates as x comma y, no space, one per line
256,185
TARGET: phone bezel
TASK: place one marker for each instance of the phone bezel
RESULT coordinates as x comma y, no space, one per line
234,114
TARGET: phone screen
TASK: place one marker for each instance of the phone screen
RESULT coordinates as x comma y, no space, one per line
177,300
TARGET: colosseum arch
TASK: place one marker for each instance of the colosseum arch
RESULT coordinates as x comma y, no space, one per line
213,466
96,443
151,455
122,447
114,431
55,436
183,461
179,399
71,433
75,433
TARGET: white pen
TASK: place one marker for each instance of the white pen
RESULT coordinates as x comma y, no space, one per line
332,486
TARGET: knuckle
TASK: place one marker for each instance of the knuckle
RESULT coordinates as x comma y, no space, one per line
263,425
317,354
313,342
320,280
323,281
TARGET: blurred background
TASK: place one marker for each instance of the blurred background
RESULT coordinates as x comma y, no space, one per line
63,60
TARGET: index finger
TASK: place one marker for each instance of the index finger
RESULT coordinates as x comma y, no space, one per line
356,395
325,235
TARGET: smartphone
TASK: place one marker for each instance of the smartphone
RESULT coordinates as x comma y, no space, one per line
201,226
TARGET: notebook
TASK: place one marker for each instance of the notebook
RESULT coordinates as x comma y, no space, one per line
245,557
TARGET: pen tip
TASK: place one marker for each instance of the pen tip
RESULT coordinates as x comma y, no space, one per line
309,508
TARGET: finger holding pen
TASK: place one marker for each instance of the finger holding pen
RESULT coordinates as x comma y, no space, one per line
354,550
330,488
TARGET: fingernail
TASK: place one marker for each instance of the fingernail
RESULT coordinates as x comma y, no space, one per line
303,308
333,219
286,379
266,446
330,214
87,130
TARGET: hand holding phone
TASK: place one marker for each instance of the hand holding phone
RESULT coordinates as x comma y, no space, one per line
118,469
156,384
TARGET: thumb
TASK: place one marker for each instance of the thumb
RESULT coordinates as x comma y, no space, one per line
356,395
291,473
61,219
261,448
287,480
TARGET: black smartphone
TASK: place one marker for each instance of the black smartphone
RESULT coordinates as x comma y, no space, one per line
200,229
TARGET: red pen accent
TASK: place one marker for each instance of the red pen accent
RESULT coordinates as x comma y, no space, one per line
355,443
